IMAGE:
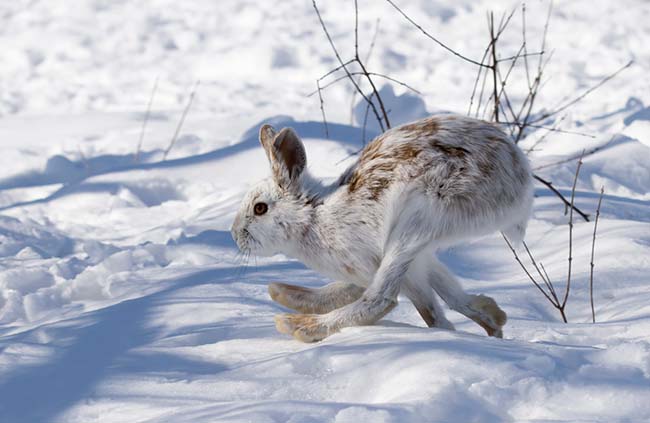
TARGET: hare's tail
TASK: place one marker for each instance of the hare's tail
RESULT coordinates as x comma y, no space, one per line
516,232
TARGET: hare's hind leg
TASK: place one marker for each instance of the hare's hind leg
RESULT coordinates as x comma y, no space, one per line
480,308
417,289
315,300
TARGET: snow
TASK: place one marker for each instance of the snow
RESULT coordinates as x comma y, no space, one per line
124,299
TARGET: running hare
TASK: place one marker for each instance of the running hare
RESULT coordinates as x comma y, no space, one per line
415,189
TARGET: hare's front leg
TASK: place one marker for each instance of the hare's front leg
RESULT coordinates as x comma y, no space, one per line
376,302
315,300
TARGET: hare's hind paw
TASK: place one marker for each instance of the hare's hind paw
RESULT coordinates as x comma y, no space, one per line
303,327
490,317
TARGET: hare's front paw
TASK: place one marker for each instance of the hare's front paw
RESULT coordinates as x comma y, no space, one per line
303,327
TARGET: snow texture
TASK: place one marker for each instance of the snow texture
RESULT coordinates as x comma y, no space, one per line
123,297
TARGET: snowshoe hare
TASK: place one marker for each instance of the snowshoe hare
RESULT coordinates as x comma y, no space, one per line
415,189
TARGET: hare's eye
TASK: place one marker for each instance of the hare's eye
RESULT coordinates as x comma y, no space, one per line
260,208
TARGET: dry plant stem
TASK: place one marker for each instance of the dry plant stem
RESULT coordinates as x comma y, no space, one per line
494,69
380,75
532,279
551,129
570,259
524,42
383,122
145,121
534,87
181,121
362,66
567,204
570,159
593,246
584,94
547,281
551,297
440,43
322,109
368,56
555,128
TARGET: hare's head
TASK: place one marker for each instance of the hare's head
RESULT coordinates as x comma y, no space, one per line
276,212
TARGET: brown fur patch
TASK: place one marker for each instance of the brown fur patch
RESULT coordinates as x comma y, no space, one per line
426,315
497,139
377,164
449,150
349,269
423,127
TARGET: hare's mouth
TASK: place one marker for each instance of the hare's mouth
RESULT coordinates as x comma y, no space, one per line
247,242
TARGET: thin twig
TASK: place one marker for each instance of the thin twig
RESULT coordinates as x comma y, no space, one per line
322,109
365,123
533,88
380,75
181,121
546,280
517,56
593,246
573,194
555,128
551,129
145,121
532,279
336,69
494,68
363,67
567,204
368,56
524,42
440,43
344,66
570,159
584,94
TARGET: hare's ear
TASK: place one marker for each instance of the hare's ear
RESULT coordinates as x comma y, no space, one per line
267,136
286,154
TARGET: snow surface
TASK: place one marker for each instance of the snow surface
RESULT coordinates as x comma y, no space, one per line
123,298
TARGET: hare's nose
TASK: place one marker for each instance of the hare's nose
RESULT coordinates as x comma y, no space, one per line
235,229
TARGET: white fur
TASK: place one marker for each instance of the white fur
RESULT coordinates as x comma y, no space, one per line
466,180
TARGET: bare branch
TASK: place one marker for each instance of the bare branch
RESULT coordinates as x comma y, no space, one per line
322,109
336,69
181,121
363,67
532,279
380,75
593,246
146,120
584,94
368,56
551,129
344,66
494,68
573,194
570,159
440,43
544,277
561,197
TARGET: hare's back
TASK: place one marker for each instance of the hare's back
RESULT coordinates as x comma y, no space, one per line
451,157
